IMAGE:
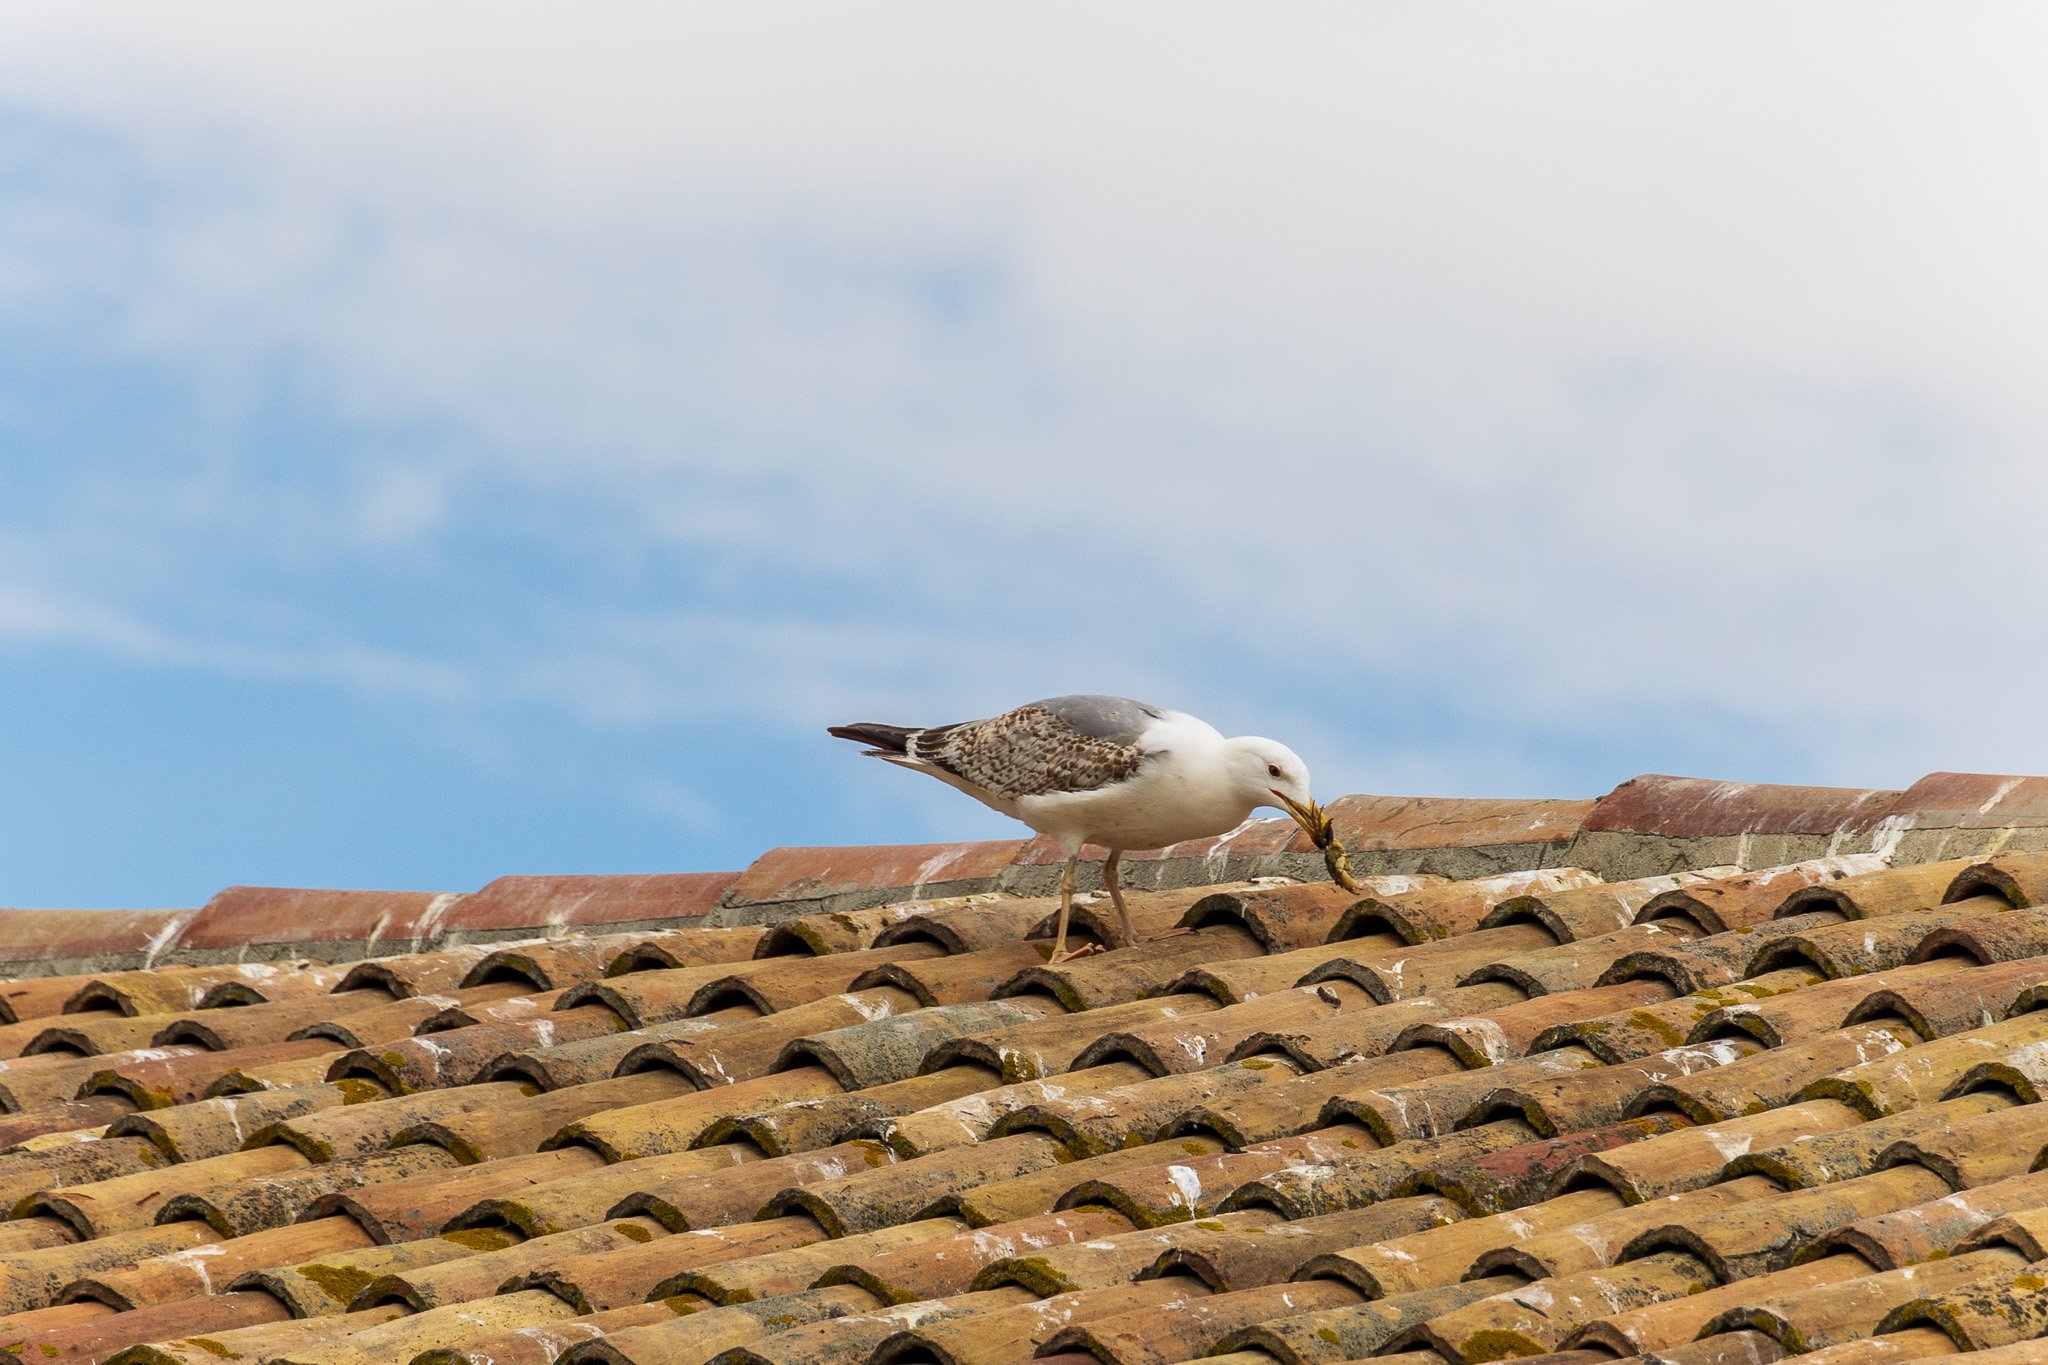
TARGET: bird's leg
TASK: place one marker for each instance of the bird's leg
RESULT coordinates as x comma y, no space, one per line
1112,878
1059,942
1126,935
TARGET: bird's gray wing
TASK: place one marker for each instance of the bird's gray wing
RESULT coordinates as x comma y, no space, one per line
1067,744
1116,719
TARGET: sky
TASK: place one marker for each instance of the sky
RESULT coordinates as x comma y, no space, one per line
446,441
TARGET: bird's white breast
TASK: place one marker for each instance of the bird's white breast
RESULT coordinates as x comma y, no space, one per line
1183,790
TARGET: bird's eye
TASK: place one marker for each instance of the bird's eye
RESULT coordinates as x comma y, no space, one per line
1273,770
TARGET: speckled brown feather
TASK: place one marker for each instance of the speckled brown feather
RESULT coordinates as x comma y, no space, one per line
1030,751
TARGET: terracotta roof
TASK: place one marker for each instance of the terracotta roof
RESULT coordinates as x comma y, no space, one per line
1704,1073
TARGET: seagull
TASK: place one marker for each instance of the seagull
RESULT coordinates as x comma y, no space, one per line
1099,770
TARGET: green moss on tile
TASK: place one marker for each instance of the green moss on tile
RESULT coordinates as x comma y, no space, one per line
480,1239
1656,1024
338,1282
1497,1343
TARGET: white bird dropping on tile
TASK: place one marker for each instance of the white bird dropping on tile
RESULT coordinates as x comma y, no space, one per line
1101,770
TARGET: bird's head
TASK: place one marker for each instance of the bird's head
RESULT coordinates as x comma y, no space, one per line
1268,773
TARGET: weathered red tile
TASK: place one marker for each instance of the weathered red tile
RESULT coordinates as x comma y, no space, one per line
854,1337
101,1338
37,997
1043,852
1953,1001
80,1163
969,924
1001,1336
585,1197
1104,1261
1621,1035
1874,895
266,1341
91,1034
1510,1031
1454,908
875,1198
45,935
153,1082
1442,1255
1922,1232
954,1123
1723,903
63,1116
666,1127
1597,1242
1252,838
605,1280
1536,1319
1767,1234
1159,1335
1974,801
1821,1316
1997,1314
422,1205
1190,1044
661,949
1588,912
34,1280
192,1132
31,1082
162,990
413,974
125,1203
808,874
167,1279
1294,915
244,915
550,902
2019,879
704,1334
556,963
252,1025
1696,807
1120,976
780,1126
1378,823
430,1061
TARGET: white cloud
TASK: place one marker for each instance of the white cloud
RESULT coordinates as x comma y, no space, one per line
1577,363
31,617
806,673
681,806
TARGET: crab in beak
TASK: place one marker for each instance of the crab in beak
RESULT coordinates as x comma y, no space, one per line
1315,822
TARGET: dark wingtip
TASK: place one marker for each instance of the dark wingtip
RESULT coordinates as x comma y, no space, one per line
885,739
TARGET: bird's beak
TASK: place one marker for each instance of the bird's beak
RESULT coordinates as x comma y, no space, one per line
1310,817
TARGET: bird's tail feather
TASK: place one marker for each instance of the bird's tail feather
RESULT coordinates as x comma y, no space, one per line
882,739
